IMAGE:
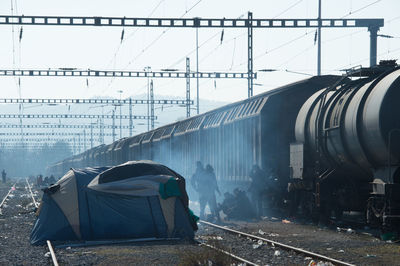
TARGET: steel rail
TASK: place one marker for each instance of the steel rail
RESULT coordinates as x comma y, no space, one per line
230,254
281,245
53,254
49,245
30,191
5,198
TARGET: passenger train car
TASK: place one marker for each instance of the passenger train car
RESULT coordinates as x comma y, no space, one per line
332,142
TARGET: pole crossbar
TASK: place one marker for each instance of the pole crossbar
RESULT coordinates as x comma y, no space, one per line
122,74
60,126
186,22
7,140
72,116
48,134
373,25
92,101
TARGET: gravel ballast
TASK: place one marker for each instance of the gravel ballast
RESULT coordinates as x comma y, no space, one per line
18,218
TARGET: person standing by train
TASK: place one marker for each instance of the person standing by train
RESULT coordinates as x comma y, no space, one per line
204,184
197,182
4,176
257,188
212,186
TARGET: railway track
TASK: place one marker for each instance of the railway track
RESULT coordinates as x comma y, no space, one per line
49,244
274,244
6,197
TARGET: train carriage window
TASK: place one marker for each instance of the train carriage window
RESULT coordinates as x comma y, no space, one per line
182,127
254,107
206,121
148,136
191,125
250,107
200,122
168,131
235,112
223,116
260,105
231,115
217,117
214,119
243,109
158,134
136,140
209,120
195,124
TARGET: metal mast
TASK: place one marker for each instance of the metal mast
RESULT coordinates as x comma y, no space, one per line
250,53
188,87
152,104
319,39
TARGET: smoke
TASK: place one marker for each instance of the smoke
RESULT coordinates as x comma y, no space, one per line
19,161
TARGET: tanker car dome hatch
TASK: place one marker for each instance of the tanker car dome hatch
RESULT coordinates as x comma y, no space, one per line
153,206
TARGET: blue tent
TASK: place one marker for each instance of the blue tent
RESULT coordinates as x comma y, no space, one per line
138,199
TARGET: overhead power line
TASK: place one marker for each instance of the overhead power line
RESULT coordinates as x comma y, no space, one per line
159,36
362,8
250,23
287,9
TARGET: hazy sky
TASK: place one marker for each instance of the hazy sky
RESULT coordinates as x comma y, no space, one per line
100,47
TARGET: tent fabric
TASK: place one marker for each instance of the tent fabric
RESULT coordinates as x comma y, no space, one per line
50,223
169,189
134,169
110,203
139,169
148,185
167,207
67,200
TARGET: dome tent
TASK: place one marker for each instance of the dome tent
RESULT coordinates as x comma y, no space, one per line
138,199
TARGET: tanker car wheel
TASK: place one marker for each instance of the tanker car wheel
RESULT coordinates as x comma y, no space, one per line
372,207
338,213
315,215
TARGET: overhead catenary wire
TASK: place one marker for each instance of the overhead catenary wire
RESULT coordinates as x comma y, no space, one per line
393,51
274,49
362,8
194,50
123,40
154,41
219,46
283,45
159,36
287,9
